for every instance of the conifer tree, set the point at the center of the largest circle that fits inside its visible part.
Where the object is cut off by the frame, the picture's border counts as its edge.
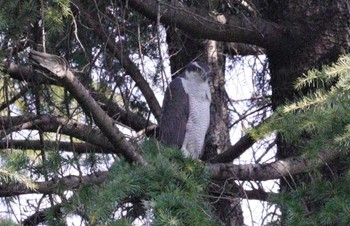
(80, 92)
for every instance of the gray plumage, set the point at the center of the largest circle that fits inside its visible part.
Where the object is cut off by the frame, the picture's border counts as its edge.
(186, 110)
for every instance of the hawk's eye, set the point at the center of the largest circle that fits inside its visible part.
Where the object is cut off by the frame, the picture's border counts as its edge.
(198, 70)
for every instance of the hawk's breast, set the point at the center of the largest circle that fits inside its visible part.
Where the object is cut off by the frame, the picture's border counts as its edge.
(199, 116)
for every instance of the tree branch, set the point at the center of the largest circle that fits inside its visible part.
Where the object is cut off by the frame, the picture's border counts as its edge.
(222, 171)
(242, 49)
(234, 151)
(48, 123)
(255, 30)
(70, 182)
(40, 215)
(77, 147)
(24, 73)
(275, 170)
(230, 189)
(59, 68)
(130, 119)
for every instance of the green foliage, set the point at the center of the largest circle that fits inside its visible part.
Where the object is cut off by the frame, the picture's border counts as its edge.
(7, 222)
(16, 12)
(319, 121)
(329, 198)
(55, 15)
(12, 171)
(169, 191)
(323, 114)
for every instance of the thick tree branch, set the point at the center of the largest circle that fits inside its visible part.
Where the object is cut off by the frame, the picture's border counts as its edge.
(24, 73)
(130, 119)
(58, 66)
(74, 182)
(48, 123)
(275, 170)
(234, 151)
(8, 122)
(255, 30)
(77, 147)
(70, 182)
(40, 216)
(222, 171)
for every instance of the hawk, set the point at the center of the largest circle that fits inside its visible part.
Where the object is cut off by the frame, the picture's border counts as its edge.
(186, 111)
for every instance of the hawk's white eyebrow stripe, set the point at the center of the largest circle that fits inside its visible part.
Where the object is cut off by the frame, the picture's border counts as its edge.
(195, 63)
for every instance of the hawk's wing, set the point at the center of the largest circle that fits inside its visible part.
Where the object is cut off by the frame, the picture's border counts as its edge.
(175, 113)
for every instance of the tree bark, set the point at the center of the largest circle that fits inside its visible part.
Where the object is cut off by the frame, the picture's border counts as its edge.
(323, 35)
(193, 21)
(217, 140)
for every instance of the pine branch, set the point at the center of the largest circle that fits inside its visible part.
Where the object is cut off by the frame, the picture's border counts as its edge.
(260, 172)
(7, 176)
(229, 189)
(77, 147)
(70, 182)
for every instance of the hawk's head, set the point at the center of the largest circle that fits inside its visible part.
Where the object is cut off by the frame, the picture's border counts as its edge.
(197, 71)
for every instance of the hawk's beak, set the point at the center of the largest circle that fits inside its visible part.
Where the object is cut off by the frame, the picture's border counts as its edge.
(204, 76)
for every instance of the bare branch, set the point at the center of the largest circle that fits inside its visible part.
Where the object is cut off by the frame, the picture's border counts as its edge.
(61, 125)
(275, 170)
(130, 119)
(242, 49)
(61, 72)
(129, 66)
(234, 151)
(230, 189)
(24, 73)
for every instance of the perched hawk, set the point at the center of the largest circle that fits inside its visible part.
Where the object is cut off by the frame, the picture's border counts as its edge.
(185, 114)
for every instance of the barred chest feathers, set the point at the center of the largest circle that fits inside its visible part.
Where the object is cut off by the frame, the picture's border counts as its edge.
(199, 117)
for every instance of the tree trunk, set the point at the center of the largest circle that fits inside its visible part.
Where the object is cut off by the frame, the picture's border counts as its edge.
(229, 210)
(320, 41)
